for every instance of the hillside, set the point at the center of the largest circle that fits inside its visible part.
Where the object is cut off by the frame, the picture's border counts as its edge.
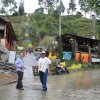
(39, 25)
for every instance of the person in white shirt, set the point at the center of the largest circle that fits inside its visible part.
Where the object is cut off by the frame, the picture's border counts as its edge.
(19, 63)
(43, 65)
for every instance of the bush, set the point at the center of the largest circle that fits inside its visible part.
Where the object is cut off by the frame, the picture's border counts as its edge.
(95, 65)
(86, 65)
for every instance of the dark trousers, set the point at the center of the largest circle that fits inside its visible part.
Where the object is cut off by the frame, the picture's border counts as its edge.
(43, 79)
(19, 81)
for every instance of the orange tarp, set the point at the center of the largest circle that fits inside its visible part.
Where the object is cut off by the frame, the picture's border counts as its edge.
(77, 57)
(84, 57)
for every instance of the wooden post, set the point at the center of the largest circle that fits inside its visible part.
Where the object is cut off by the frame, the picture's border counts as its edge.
(74, 46)
(89, 47)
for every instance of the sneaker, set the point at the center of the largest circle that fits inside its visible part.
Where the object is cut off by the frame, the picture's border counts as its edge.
(44, 89)
(44, 92)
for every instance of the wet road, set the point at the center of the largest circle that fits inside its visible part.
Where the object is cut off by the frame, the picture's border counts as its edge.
(74, 86)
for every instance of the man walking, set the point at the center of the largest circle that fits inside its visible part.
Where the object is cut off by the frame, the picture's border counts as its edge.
(19, 63)
(43, 65)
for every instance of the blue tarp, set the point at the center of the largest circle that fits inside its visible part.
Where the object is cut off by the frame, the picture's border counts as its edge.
(67, 55)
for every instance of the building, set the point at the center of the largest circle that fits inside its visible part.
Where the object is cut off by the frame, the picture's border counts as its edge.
(7, 34)
(82, 49)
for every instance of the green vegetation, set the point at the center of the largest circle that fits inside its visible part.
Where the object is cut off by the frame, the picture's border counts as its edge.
(10, 7)
(39, 25)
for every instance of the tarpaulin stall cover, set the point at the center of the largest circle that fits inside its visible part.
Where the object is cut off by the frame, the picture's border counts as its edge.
(67, 55)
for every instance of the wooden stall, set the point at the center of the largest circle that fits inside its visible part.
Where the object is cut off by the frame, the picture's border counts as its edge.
(7, 34)
(83, 49)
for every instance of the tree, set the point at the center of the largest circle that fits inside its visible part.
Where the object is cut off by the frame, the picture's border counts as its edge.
(72, 6)
(56, 14)
(78, 15)
(21, 8)
(61, 7)
(39, 10)
(6, 3)
(94, 5)
(13, 9)
(84, 6)
(50, 5)
(46, 4)
(15, 13)
(2, 10)
(10, 6)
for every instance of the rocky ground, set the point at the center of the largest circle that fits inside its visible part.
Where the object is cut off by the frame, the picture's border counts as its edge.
(6, 78)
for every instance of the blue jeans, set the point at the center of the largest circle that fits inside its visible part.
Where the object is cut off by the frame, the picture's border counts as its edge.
(43, 79)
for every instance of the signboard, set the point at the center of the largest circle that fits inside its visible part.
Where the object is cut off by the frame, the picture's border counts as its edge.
(95, 59)
(12, 56)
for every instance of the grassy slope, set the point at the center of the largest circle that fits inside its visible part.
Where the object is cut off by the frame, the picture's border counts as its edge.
(81, 26)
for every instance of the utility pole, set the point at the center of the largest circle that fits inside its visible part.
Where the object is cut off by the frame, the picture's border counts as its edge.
(93, 27)
(60, 39)
(60, 22)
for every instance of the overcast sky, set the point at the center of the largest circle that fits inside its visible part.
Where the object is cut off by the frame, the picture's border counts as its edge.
(31, 5)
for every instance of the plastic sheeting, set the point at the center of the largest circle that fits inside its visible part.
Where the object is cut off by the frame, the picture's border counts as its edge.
(67, 55)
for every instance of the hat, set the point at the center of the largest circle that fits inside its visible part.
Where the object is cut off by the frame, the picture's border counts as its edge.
(43, 52)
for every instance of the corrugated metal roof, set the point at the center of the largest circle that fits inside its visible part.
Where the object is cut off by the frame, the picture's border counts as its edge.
(76, 36)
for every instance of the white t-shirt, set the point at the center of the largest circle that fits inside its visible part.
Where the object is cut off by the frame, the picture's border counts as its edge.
(43, 64)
